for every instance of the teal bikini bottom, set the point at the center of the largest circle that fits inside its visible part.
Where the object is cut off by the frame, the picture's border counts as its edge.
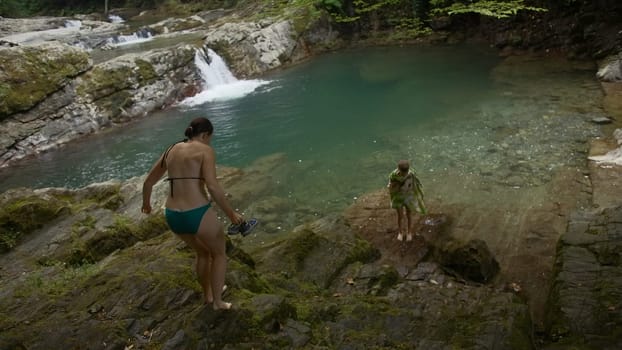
(186, 221)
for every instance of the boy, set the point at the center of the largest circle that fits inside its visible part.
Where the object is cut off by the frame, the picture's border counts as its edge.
(406, 193)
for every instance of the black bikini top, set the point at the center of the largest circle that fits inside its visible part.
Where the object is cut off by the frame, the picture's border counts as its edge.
(171, 179)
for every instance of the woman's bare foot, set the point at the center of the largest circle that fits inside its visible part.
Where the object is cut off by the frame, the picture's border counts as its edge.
(222, 306)
(210, 298)
(409, 237)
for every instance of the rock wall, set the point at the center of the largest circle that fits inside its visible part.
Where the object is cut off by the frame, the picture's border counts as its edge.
(53, 94)
(584, 306)
(252, 48)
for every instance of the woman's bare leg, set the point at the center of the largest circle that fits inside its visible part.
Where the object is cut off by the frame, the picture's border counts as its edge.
(202, 264)
(212, 236)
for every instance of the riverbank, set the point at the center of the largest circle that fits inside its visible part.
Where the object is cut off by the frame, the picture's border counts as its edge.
(69, 263)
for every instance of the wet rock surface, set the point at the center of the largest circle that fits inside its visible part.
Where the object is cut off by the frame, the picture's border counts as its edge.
(584, 306)
(114, 278)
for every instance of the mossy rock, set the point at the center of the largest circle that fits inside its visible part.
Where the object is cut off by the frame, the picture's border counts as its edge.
(105, 80)
(114, 104)
(316, 254)
(30, 74)
(105, 195)
(23, 215)
(123, 234)
(145, 71)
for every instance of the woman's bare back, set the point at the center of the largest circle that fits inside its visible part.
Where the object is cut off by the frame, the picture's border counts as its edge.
(185, 163)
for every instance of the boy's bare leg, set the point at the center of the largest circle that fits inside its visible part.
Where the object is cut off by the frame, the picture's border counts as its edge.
(400, 220)
(409, 218)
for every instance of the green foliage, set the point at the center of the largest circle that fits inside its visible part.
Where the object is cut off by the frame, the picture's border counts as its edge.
(335, 4)
(497, 9)
(12, 8)
(362, 6)
(409, 28)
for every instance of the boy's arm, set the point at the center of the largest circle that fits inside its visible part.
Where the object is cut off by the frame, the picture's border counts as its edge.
(393, 186)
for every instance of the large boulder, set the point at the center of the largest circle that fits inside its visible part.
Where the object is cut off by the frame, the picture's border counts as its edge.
(64, 106)
(610, 70)
(471, 260)
(251, 48)
(28, 74)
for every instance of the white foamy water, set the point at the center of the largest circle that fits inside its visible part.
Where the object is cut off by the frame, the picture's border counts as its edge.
(219, 84)
(613, 156)
(72, 23)
(135, 38)
(115, 19)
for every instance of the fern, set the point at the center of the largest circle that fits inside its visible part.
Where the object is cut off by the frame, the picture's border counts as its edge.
(497, 9)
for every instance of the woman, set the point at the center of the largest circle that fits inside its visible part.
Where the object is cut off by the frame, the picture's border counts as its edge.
(191, 166)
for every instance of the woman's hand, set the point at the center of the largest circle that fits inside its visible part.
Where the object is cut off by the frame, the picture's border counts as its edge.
(146, 208)
(237, 218)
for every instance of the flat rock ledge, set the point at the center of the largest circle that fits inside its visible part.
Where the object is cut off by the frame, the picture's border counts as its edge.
(585, 305)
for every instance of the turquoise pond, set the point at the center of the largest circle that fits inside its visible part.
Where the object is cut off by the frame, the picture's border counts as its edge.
(470, 122)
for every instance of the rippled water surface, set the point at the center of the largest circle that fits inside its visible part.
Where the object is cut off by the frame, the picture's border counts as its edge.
(343, 120)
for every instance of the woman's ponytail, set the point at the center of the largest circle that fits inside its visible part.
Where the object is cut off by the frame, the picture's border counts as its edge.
(188, 132)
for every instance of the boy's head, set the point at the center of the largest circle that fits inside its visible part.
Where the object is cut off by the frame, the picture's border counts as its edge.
(403, 165)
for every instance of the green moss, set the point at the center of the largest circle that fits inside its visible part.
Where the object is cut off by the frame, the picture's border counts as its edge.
(115, 103)
(108, 197)
(460, 331)
(45, 283)
(88, 222)
(223, 49)
(122, 234)
(145, 71)
(29, 74)
(24, 215)
(388, 278)
(520, 338)
(104, 81)
(244, 277)
(363, 251)
(186, 24)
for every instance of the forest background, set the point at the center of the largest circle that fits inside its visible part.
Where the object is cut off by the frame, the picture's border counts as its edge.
(399, 14)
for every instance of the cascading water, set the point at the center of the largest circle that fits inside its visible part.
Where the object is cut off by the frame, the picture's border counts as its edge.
(215, 72)
(73, 23)
(137, 37)
(115, 19)
(219, 84)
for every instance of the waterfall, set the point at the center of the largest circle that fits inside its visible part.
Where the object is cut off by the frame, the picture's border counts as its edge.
(140, 36)
(219, 84)
(115, 19)
(73, 23)
(215, 72)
